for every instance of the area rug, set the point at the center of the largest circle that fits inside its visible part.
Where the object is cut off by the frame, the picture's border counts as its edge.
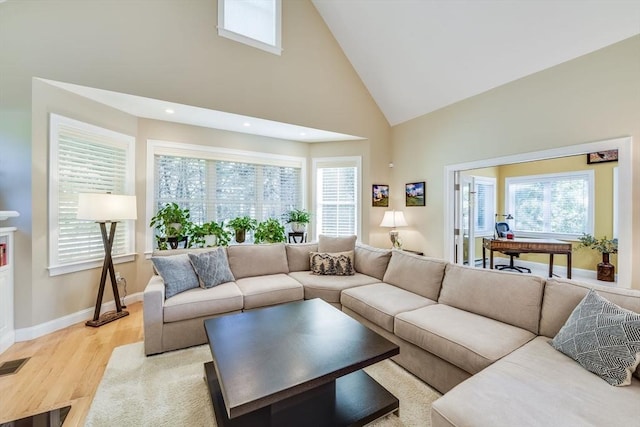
(169, 390)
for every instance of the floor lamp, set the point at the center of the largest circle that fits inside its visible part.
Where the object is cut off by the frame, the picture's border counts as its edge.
(394, 219)
(103, 209)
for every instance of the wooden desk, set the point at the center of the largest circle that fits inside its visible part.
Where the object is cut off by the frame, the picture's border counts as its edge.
(521, 245)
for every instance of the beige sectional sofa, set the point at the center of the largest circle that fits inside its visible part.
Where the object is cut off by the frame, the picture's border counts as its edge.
(478, 336)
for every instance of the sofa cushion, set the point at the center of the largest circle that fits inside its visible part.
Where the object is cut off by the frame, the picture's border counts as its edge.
(415, 273)
(537, 386)
(329, 287)
(211, 267)
(380, 302)
(371, 261)
(332, 264)
(603, 338)
(261, 291)
(512, 298)
(561, 296)
(336, 244)
(467, 340)
(298, 255)
(176, 272)
(199, 302)
(257, 260)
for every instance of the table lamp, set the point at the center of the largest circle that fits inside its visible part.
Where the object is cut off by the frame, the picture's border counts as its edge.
(103, 209)
(394, 219)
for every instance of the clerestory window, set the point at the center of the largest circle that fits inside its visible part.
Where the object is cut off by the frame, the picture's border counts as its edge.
(256, 23)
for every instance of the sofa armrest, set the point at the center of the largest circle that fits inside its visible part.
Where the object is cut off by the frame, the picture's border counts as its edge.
(153, 300)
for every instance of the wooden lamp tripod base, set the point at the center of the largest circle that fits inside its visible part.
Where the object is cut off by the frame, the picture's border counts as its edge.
(107, 266)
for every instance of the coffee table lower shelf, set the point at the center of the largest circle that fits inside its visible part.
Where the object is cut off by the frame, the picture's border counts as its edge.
(355, 399)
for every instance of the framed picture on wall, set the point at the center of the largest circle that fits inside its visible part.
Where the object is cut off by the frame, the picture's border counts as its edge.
(415, 194)
(380, 195)
(602, 156)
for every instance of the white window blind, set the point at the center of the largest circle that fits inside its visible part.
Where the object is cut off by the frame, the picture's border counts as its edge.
(485, 189)
(337, 196)
(220, 190)
(253, 22)
(558, 205)
(85, 159)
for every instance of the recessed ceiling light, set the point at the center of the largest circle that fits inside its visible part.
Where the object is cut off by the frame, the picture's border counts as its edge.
(246, 124)
(169, 111)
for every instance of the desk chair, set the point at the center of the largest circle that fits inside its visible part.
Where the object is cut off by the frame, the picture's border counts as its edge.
(501, 230)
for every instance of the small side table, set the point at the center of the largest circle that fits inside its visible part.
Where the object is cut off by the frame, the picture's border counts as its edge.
(297, 237)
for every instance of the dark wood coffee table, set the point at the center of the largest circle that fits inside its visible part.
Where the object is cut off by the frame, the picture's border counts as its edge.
(295, 364)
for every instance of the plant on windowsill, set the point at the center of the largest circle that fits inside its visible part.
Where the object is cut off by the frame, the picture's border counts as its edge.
(210, 234)
(298, 218)
(172, 224)
(241, 225)
(269, 231)
(606, 270)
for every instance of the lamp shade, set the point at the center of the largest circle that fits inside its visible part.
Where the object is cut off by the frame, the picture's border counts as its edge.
(103, 207)
(393, 219)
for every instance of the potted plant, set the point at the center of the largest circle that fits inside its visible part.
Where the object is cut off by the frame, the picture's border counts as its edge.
(606, 270)
(210, 234)
(172, 224)
(241, 225)
(269, 231)
(298, 218)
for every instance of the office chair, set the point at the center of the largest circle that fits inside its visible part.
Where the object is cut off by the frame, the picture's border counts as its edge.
(501, 229)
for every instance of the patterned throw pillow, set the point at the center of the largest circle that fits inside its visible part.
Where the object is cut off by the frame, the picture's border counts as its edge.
(212, 268)
(177, 273)
(332, 264)
(603, 338)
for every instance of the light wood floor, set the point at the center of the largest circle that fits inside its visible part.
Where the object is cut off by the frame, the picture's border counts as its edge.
(65, 368)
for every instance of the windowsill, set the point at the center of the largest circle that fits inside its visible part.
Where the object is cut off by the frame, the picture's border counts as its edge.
(59, 270)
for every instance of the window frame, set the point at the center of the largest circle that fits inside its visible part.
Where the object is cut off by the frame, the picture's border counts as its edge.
(117, 139)
(276, 49)
(590, 177)
(169, 148)
(330, 162)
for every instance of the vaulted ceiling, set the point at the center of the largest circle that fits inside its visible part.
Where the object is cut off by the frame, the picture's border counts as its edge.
(417, 56)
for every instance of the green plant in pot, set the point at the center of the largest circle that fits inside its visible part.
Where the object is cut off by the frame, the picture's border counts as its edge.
(269, 231)
(172, 224)
(606, 270)
(241, 225)
(298, 218)
(210, 234)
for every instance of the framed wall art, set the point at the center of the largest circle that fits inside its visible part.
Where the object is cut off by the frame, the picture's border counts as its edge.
(380, 195)
(602, 156)
(415, 194)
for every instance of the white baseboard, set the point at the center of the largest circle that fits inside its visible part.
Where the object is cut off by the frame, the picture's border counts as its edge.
(7, 341)
(26, 334)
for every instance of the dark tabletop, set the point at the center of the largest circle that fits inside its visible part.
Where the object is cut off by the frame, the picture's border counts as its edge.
(265, 355)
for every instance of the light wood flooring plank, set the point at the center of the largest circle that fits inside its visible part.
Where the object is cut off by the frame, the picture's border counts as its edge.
(65, 368)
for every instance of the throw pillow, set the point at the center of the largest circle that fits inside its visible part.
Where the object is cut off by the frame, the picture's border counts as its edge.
(332, 264)
(177, 272)
(212, 268)
(602, 337)
(336, 244)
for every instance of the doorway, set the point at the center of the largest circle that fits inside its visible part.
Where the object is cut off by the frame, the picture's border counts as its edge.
(454, 221)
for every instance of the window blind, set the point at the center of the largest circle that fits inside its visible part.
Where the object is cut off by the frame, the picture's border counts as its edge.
(552, 204)
(337, 197)
(85, 159)
(220, 190)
